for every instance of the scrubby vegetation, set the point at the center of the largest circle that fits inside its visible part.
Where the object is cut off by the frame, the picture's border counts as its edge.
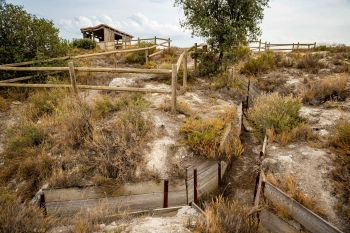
(140, 56)
(287, 185)
(59, 140)
(340, 144)
(84, 43)
(204, 136)
(222, 216)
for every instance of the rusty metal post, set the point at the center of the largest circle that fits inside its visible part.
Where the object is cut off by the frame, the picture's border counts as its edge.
(195, 191)
(166, 190)
(43, 204)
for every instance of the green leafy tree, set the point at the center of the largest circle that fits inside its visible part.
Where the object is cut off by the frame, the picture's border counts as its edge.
(224, 23)
(25, 37)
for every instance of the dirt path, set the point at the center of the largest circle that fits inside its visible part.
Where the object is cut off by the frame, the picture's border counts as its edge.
(239, 182)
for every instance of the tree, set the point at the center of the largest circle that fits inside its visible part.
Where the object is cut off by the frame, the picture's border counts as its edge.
(25, 37)
(224, 23)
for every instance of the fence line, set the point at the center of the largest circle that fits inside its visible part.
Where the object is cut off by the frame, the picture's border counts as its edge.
(138, 196)
(264, 46)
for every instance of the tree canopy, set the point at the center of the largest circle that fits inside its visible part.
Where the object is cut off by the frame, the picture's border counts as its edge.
(224, 23)
(24, 36)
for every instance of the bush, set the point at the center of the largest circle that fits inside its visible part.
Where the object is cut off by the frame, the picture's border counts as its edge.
(16, 216)
(311, 63)
(256, 66)
(326, 89)
(204, 136)
(223, 216)
(84, 43)
(209, 64)
(273, 111)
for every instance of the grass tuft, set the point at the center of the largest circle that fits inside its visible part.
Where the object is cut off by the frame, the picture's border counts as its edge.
(222, 216)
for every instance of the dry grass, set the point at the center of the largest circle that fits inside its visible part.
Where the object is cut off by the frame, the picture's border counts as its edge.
(326, 89)
(310, 63)
(303, 132)
(340, 144)
(223, 216)
(4, 105)
(18, 216)
(288, 185)
(63, 141)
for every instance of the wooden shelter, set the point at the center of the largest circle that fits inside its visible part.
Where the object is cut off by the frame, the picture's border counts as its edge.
(108, 37)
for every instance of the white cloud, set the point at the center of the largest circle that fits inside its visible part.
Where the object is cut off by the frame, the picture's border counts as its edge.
(138, 25)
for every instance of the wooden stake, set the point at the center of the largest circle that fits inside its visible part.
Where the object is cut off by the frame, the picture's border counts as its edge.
(166, 190)
(184, 84)
(169, 44)
(147, 57)
(72, 76)
(173, 88)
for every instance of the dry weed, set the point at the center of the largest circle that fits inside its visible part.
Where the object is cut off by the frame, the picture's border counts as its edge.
(222, 216)
(287, 184)
(340, 144)
(326, 89)
(4, 105)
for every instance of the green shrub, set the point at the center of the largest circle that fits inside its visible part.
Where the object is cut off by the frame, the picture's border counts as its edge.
(84, 43)
(204, 136)
(256, 66)
(209, 64)
(140, 56)
(274, 111)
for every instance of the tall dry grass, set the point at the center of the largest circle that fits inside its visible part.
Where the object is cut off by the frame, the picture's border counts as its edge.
(340, 144)
(61, 140)
(223, 216)
(326, 89)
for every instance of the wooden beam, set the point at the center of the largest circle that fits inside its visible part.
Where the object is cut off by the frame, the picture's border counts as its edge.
(106, 88)
(173, 88)
(34, 62)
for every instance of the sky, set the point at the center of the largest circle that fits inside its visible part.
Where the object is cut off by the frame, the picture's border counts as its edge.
(285, 21)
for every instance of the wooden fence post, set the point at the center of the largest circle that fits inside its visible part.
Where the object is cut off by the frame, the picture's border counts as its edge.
(195, 57)
(115, 60)
(269, 46)
(147, 56)
(138, 42)
(315, 45)
(293, 47)
(195, 191)
(265, 45)
(72, 76)
(298, 46)
(169, 44)
(173, 88)
(155, 40)
(166, 190)
(259, 44)
(184, 84)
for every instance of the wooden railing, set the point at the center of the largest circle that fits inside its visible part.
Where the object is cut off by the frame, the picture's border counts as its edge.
(264, 46)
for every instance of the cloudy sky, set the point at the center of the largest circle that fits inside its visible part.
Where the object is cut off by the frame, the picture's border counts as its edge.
(286, 21)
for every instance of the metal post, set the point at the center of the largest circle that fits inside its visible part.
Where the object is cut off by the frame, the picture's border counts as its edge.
(195, 58)
(195, 197)
(166, 190)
